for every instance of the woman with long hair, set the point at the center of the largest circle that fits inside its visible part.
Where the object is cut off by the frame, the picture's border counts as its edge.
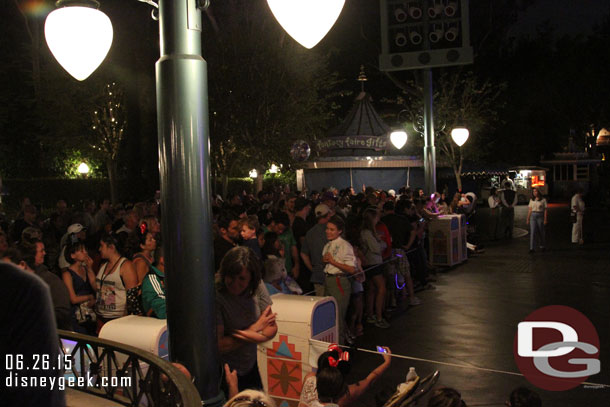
(80, 282)
(142, 242)
(241, 324)
(375, 287)
(537, 220)
(117, 283)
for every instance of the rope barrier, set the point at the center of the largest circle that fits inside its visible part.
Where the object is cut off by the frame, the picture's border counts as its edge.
(432, 361)
(395, 258)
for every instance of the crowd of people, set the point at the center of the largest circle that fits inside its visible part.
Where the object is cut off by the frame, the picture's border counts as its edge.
(368, 250)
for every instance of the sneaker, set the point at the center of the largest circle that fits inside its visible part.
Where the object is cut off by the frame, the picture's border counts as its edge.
(383, 324)
(414, 301)
(371, 319)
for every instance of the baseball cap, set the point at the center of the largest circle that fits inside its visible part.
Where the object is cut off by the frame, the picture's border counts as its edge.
(322, 210)
(75, 228)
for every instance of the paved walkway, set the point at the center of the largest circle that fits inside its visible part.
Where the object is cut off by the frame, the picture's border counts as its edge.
(471, 318)
(75, 398)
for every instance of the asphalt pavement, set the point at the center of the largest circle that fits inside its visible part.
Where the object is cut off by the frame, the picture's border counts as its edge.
(471, 318)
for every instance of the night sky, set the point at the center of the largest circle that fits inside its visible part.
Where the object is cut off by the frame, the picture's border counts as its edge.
(567, 16)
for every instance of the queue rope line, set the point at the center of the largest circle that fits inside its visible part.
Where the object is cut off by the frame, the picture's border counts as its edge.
(370, 268)
(263, 349)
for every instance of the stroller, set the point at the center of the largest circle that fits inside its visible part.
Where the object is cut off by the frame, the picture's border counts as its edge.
(414, 390)
(472, 236)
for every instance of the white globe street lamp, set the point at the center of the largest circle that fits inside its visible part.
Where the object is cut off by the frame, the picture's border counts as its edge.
(253, 173)
(460, 135)
(274, 169)
(307, 21)
(79, 36)
(398, 138)
(83, 169)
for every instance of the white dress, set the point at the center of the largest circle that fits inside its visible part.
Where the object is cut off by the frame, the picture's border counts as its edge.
(577, 205)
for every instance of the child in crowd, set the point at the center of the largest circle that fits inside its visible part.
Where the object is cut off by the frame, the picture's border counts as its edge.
(275, 276)
(248, 227)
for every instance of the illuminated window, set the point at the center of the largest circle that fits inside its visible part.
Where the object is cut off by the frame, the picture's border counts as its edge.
(537, 181)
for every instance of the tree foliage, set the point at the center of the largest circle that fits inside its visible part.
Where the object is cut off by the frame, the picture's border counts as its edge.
(109, 123)
(265, 90)
(460, 100)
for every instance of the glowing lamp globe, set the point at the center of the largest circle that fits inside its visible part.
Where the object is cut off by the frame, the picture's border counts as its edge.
(79, 37)
(398, 138)
(274, 169)
(307, 21)
(253, 173)
(460, 135)
(83, 169)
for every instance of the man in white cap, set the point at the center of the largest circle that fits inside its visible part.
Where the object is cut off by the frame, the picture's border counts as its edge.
(311, 251)
(74, 229)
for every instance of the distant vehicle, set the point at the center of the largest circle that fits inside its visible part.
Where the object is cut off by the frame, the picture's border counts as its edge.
(527, 178)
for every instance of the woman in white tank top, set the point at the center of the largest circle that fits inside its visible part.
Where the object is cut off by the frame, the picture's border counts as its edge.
(116, 282)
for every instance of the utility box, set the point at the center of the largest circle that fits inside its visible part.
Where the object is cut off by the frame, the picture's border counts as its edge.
(149, 334)
(285, 360)
(447, 238)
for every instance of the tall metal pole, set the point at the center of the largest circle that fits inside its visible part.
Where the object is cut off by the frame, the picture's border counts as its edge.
(182, 112)
(429, 149)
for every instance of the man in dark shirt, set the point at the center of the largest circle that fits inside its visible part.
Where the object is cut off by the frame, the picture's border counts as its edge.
(28, 220)
(28, 330)
(302, 208)
(313, 244)
(404, 237)
(401, 230)
(227, 237)
(509, 201)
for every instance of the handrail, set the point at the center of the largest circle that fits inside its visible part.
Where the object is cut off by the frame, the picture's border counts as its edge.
(156, 383)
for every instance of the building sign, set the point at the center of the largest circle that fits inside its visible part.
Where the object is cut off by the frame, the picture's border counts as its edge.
(353, 142)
